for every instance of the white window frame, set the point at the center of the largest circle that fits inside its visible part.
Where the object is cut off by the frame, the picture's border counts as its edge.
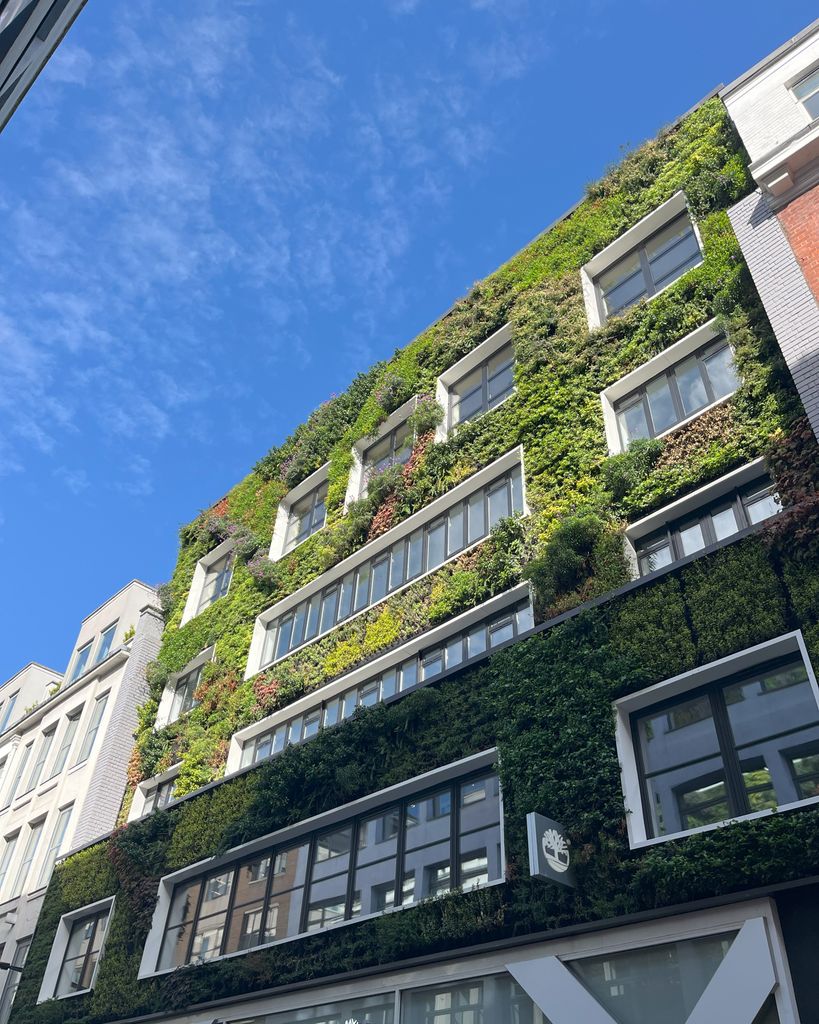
(146, 787)
(357, 481)
(403, 529)
(112, 627)
(51, 975)
(418, 783)
(166, 701)
(309, 484)
(372, 669)
(689, 503)
(637, 378)
(200, 576)
(622, 246)
(72, 674)
(625, 707)
(538, 957)
(479, 355)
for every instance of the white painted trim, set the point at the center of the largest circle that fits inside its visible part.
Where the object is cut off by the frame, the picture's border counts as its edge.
(375, 547)
(622, 246)
(164, 709)
(310, 483)
(417, 784)
(60, 944)
(625, 707)
(696, 499)
(664, 360)
(200, 575)
(480, 354)
(356, 485)
(371, 669)
(458, 970)
(144, 788)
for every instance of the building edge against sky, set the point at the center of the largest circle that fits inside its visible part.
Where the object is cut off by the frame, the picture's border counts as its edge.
(580, 583)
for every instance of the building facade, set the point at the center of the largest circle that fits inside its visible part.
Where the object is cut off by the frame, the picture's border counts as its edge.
(490, 696)
(64, 752)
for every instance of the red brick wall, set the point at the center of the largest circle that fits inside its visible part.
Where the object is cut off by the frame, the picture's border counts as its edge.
(800, 219)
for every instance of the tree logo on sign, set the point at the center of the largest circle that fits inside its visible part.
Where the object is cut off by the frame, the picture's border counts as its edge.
(555, 850)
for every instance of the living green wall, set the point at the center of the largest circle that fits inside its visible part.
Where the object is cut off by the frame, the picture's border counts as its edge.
(545, 702)
(570, 545)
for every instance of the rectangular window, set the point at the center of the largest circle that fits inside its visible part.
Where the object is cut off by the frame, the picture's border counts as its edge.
(72, 722)
(807, 92)
(55, 844)
(159, 796)
(22, 764)
(8, 853)
(739, 745)
(6, 712)
(424, 550)
(80, 662)
(104, 646)
(46, 740)
(450, 838)
(692, 384)
(35, 831)
(306, 517)
(426, 665)
(82, 954)
(491, 1000)
(365, 1009)
(716, 521)
(184, 690)
(483, 388)
(87, 744)
(217, 581)
(13, 979)
(393, 449)
(651, 266)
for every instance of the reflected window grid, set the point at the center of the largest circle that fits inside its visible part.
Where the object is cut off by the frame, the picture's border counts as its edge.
(419, 847)
(423, 551)
(421, 668)
(749, 743)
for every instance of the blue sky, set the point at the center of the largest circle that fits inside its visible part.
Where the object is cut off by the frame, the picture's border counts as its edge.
(213, 213)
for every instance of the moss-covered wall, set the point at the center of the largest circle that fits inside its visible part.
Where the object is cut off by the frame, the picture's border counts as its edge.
(546, 703)
(579, 497)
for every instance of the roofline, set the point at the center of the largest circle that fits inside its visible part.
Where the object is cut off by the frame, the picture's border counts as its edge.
(108, 600)
(28, 665)
(770, 59)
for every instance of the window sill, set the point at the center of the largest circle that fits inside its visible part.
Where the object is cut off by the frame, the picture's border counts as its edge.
(642, 844)
(76, 767)
(286, 554)
(642, 303)
(37, 893)
(454, 430)
(26, 798)
(48, 785)
(317, 931)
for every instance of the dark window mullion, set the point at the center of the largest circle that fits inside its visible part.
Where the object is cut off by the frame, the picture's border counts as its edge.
(308, 884)
(741, 512)
(268, 893)
(351, 869)
(676, 398)
(706, 380)
(400, 849)
(195, 918)
(652, 431)
(91, 941)
(454, 832)
(234, 885)
(648, 280)
(707, 527)
(676, 543)
(737, 797)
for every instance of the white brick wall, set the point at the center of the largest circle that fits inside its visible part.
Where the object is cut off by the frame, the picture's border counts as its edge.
(788, 300)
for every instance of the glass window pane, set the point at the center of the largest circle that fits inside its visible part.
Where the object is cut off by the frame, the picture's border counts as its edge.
(329, 610)
(661, 404)
(762, 506)
(476, 642)
(656, 558)
(719, 367)
(672, 251)
(724, 522)
(346, 603)
(380, 575)
(285, 631)
(633, 423)
(312, 723)
(501, 631)
(692, 538)
(436, 538)
(415, 557)
(389, 683)
(331, 713)
(623, 284)
(409, 674)
(477, 518)
(432, 664)
(455, 652)
(397, 565)
(367, 1010)
(362, 587)
(313, 608)
(498, 503)
(427, 872)
(294, 730)
(455, 539)
(808, 86)
(654, 983)
(332, 851)
(682, 762)
(368, 695)
(428, 820)
(690, 385)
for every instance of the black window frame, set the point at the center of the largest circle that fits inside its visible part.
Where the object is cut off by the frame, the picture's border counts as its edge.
(453, 786)
(736, 793)
(306, 614)
(737, 499)
(487, 404)
(645, 268)
(83, 921)
(639, 395)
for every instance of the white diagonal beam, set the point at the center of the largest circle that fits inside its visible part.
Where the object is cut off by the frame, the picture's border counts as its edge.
(558, 993)
(741, 983)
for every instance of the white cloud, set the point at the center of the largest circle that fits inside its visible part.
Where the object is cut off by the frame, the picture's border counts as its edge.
(76, 480)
